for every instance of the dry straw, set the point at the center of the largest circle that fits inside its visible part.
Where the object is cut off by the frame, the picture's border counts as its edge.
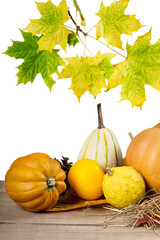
(146, 212)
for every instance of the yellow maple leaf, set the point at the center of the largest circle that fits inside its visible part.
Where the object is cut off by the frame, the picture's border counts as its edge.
(141, 67)
(51, 25)
(114, 22)
(87, 74)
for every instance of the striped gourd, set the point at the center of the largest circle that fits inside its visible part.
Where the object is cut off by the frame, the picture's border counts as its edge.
(102, 146)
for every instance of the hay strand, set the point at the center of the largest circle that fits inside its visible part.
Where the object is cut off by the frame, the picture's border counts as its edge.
(146, 212)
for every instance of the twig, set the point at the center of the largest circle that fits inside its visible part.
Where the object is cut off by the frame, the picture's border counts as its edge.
(78, 29)
(80, 39)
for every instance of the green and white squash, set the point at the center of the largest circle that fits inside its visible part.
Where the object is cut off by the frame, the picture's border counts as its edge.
(102, 146)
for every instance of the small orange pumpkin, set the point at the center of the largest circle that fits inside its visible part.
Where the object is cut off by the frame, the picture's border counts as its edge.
(35, 182)
(143, 154)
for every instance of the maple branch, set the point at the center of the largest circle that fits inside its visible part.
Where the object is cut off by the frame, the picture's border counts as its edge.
(80, 39)
(79, 29)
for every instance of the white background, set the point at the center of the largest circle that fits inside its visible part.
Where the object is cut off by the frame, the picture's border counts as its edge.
(34, 120)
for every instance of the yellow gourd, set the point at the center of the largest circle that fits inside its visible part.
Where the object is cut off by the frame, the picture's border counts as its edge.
(123, 186)
(85, 177)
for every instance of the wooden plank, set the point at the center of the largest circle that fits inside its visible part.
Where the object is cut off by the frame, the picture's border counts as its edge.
(16, 214)
(2, 186)
(78, 232)
(89, 223)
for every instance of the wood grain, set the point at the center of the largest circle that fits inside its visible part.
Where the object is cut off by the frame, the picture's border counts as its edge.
(16, 214)
(2, 186)
(78, 232)
(89, 223)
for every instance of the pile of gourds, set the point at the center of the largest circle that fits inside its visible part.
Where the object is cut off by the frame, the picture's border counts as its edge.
(35, 181)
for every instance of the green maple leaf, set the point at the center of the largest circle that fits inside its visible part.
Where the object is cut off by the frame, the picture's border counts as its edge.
(35, 62)
(26, 49)
(114, 22)
(87, 73)
(72, 39)
(51, 25)
(83, 21)
(141, 67)
(105, 64)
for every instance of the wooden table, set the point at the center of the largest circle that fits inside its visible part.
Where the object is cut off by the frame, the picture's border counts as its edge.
(88, 224)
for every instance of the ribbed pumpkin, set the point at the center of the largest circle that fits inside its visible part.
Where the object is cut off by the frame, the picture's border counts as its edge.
(143, 154)
(35, 182)
(102, 146)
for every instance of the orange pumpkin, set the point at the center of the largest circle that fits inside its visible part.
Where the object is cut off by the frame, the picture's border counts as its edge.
(35, 182)
(143, 154)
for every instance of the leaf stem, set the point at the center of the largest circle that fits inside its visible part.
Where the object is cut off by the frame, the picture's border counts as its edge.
(106, 46)
(70, 27)
(76, 16)
(91, 28)
(84, 45)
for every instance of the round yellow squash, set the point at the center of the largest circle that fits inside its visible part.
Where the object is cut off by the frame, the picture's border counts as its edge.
(123, 186)
(35, 182)
(85, 177)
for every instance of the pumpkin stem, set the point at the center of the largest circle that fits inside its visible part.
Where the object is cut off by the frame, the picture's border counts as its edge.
(131, 135)
(51, 182)
(109, 171)
(100, 118)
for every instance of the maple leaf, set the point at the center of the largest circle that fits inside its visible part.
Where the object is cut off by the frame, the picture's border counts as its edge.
(72, 39)
(26, 49)
(105, 64)
(83, 21)
(141, 67)
(51, 25)
(86, 73)
(35, 62)
(114, 22)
